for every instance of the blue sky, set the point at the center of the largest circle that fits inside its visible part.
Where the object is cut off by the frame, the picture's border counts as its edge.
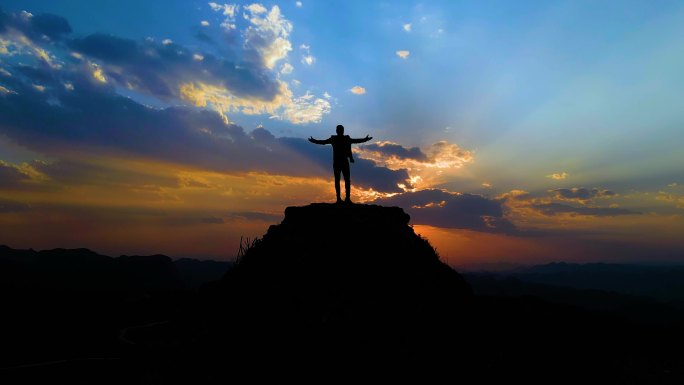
(515, 102)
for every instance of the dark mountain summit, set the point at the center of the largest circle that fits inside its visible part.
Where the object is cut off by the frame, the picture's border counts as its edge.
(337, 281)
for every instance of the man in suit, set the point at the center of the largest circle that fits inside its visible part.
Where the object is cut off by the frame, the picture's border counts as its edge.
(341, 144)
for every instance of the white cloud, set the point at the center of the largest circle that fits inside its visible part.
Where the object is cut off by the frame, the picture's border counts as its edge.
(167, 41)
(256, 8)
(298, 110)
(198, 57)
(403, 54)
(268, 34)
(558, 175)
(407, 27)
(305, 109)
(327, 95)
(358, 90)
(39, 87)
(307, 57)
(298, 4)
(308, 60)
(296, 83)
(286, 69)
(227, 9)
(204, 23)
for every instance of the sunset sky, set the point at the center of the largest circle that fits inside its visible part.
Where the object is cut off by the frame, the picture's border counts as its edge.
(511, 131)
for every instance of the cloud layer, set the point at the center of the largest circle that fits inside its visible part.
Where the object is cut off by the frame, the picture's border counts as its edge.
(558, 202)
(452, 210)
(244, 81)
(581, 194)
(440, 155)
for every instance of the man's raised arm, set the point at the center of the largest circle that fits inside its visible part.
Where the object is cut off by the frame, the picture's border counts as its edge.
(316, 141)
(361, 140)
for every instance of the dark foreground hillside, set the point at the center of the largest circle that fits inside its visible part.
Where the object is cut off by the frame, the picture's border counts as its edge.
(344, 287)
(333, 293)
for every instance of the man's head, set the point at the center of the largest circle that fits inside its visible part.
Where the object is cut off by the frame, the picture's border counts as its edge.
(340, 129)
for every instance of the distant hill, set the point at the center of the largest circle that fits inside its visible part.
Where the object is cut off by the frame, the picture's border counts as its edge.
(638, 309)
(659, 282)
(86, 270)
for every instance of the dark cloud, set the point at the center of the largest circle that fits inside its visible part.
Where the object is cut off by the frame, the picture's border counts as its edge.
(160, 69)
(84, 172)
(35, 74)
(112, 49)
(35, 26)
(180, 135)
(444, 209)
(150, 66)
(559, 208)
(262, 135)
(4, 18)
(581, 193)
(396, 150)
(10, 206)
(212, 220)
(50, 25)
(183, 220)
(366, 173)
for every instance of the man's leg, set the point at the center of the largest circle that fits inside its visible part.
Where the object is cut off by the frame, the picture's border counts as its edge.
(337, 171)
(347, 180)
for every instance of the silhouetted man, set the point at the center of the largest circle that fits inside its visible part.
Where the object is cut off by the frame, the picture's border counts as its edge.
(341, 144)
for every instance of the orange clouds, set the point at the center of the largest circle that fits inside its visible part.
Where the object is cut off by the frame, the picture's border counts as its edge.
(121, 206)
(403, 54)
(440, 155)
(558, 175)
(426, 167)
(678, 200)
(358, 90)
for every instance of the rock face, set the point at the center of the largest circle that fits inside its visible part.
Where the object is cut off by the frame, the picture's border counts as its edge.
(338, 281)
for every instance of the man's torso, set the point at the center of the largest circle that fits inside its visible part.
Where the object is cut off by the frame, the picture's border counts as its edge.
(341, 148)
